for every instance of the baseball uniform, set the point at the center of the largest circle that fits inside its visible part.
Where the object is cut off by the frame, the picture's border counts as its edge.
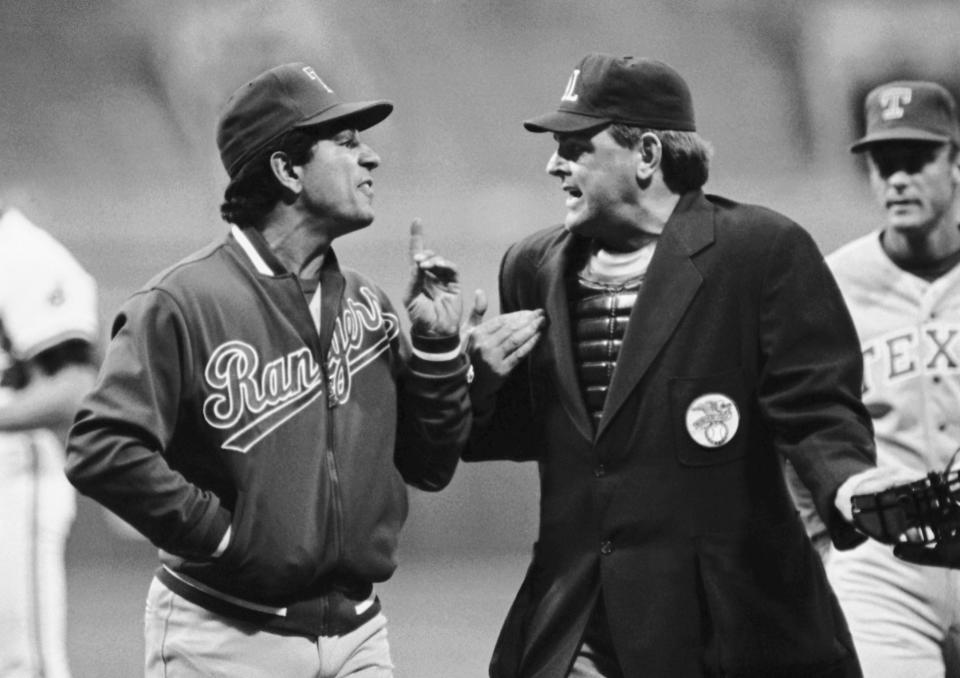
(902, 614)
(46, 299)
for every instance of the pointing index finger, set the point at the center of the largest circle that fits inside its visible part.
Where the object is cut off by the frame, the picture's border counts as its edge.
(416, 239)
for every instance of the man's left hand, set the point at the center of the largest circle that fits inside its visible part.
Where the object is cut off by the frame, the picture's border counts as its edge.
(432, 299)
(870, 482)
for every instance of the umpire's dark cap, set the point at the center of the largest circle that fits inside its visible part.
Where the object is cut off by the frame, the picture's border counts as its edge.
(276, 101)
(605, 89)
(909, 110)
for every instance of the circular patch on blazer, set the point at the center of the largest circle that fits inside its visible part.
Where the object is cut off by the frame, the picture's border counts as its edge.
(712, 419)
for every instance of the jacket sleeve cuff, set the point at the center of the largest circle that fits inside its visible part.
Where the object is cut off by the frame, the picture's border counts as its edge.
(437, 354)
(843, 534)
(216, 536)
(224, 542)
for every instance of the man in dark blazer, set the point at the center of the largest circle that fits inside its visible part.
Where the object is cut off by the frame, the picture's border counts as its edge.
(659, 355)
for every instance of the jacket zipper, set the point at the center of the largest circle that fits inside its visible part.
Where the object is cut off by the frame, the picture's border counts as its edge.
(331, 461)
(331, 464)
(337, 506)
(334, 479)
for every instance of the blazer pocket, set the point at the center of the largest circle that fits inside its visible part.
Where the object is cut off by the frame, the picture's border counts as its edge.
(710, 416)
(771, 611)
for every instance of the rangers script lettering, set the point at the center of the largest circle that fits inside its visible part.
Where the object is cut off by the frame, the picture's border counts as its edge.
(288, 384)
(348, 354)
(285, 386)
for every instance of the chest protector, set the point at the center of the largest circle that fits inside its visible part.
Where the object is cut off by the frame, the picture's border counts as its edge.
(600, 316)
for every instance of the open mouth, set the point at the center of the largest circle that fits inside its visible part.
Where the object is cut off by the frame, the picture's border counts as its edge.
(573, 195)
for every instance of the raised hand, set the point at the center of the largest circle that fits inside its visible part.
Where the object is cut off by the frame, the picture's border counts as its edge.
(496, 346)
(432, 298)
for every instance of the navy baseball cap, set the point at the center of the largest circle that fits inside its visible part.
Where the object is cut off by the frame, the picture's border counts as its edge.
(605, 89)
(276, 101)
(909, 110)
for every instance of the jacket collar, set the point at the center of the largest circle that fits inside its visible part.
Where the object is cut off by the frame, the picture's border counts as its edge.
(553, 283)
(671, 283)
(256, 251)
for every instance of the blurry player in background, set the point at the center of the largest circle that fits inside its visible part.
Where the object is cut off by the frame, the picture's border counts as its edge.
(902, 285)
(48, 334)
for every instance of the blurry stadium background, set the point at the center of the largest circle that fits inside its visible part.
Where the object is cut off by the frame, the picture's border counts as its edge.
(107, 124)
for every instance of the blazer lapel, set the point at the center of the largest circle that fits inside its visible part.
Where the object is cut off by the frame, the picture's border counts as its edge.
(553, 288)
(671, 283)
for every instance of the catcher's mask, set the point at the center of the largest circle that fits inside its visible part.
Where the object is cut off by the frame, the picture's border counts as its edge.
(925, 511)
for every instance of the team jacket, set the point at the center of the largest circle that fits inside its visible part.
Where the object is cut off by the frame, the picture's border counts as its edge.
(219, 404)
(738, 352)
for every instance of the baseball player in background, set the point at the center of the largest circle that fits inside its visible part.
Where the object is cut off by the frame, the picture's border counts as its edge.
(691, 343)
(902, 285)
(259, 409)
(48, 337)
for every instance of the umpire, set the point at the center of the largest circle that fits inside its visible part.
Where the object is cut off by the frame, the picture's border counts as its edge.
(259, 409)
(693, 342)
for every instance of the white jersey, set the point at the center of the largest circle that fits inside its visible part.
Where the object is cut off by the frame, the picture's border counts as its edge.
(910, 337)
(45, 295)
(45, 298)
(902, 616)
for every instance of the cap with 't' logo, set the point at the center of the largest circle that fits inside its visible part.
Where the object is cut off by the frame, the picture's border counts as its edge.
(909, 110)
(276, 101)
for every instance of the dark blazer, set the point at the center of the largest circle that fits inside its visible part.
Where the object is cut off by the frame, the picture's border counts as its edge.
(696, 548)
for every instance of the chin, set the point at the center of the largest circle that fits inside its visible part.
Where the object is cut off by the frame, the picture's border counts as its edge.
(908, 226)
(589, 231)
(576, 225)
(364, 219)
(355, 225)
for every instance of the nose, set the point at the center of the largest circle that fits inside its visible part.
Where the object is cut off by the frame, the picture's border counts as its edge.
(369, 158)
(898, 179)
(556, 166)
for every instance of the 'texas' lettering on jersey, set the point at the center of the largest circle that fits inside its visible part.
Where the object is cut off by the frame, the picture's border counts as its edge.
(262, 399)
(909, 352)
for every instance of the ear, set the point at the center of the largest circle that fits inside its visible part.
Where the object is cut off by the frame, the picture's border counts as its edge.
(285, 172)
(650, 152)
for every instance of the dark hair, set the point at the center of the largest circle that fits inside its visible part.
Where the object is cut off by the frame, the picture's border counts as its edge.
(686, 155)
(254, 191)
